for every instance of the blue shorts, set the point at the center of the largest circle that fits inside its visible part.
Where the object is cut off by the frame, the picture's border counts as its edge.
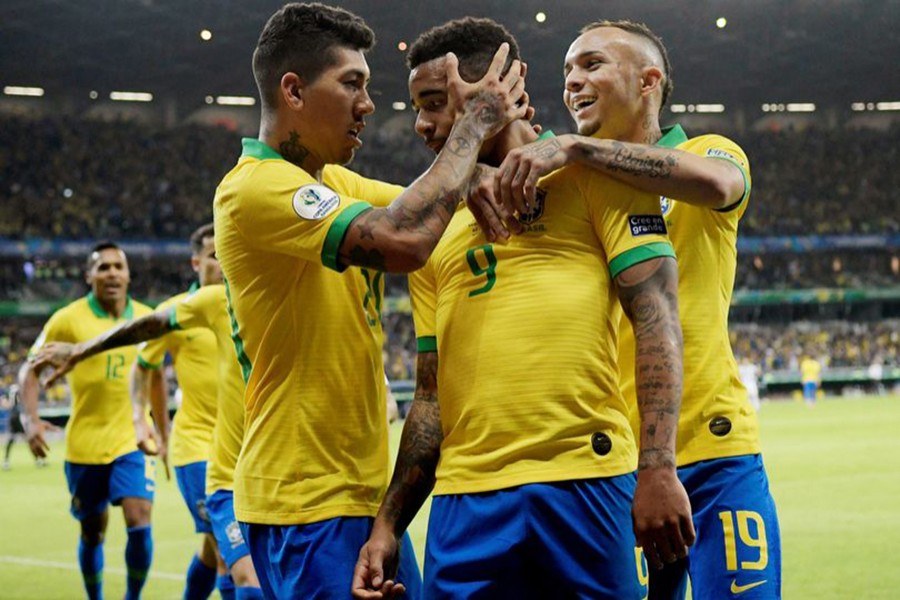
(191, 480)
(809, 390)
(738, 547)
(220, 508)
(571, 539)
(317, 560)
(93, 487)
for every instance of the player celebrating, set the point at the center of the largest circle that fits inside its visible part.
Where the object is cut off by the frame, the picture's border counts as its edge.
(534, 437)
(618, 79)
(193, 353)
(205, 308)
(103, 465)
(314, 461)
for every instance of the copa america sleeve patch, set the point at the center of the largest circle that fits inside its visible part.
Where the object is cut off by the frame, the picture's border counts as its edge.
(717, 153)
(314, 202)
(646, 225)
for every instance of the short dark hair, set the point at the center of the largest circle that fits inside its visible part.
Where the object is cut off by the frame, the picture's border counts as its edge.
(646, 33)
(200, 234)
(301, 38)
(100, 247)
(474, 41)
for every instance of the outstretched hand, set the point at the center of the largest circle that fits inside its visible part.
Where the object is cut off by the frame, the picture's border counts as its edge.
(496, 99)
(61, 356)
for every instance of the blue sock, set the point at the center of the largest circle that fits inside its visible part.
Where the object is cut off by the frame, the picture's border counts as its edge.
(91, 560)
(201, 580)
(138, 556)
(248, 593)
(226, 587)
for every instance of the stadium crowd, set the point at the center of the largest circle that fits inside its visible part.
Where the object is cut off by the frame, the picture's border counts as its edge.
(127, 180)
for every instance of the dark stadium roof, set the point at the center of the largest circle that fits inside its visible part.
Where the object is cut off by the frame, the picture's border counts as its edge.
(831, 52)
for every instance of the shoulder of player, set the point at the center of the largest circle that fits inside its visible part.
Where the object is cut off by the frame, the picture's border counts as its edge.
(714, 145)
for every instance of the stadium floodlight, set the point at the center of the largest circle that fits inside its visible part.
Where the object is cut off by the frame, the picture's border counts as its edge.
(887, 105)
(131, 96)
(801, 107)
(19, 90)
(399, 105)
(710, 108)
(540, 17)
(236, 100)
(678, 108)
(205, 35)
(721, 22)
(858, 106)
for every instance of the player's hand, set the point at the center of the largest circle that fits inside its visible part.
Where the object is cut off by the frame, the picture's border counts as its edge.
(151, 444)
(516, 182)
(496, 99)
(661, 515)
(60, 355)
(36, 442)
(378, 561)
(491, 216)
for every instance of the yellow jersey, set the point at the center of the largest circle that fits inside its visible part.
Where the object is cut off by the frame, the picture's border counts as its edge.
(810, 370)
(193, 354)
(525, 333)
(100, 428)
(207, 308)
(716, 419)
(308, 338)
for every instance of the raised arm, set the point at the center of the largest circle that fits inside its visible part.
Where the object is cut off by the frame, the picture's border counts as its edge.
(400, 238)
(698, 180)
(648, 292)
(412, 482)
(63, 357)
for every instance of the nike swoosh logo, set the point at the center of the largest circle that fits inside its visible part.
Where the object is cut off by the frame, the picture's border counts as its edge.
(740, 589)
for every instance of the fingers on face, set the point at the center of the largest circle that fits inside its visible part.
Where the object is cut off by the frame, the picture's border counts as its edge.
(499, 59)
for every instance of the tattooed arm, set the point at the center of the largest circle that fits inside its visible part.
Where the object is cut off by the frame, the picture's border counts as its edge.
(400, 238)
(648, 292)
(711, 183)
(413, 480)
(63, 357)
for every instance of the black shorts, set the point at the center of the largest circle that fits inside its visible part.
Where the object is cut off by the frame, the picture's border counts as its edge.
(15, 423)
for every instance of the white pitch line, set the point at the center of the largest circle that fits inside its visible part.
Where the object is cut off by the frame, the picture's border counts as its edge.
(34, 562)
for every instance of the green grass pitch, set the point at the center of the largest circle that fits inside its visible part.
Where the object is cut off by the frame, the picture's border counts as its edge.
(835, 473)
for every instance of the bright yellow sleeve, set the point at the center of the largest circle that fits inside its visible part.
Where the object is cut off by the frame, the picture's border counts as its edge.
(628, 222)
(722, 148)
(56, 329)
(282, 209)
(423, 295)
(377, 193)
(198, 309)
(152, 353)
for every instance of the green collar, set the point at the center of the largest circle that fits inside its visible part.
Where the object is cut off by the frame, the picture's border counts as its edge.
(546, 135)
(672, 136)
(194, 287)
(258, 149)
(102, 314)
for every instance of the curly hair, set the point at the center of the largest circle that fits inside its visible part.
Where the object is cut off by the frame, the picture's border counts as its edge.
(473, 40)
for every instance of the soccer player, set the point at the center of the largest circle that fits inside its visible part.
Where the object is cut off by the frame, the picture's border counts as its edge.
(810, 377)
(517, 421)
(102, 465)
(193, 353)
(618, 79)
(749, 374)
(205, 308)
(313, 465)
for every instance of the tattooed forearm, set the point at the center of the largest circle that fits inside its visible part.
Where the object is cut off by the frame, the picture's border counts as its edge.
(631, 160)
(648, 293)
(133, 332)
(420, 447)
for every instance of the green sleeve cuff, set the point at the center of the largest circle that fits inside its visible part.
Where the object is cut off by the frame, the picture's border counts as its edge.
(746, 184)
(335, 236)
(426, 344)
(173, 320)
(635, 256)
(146, 364)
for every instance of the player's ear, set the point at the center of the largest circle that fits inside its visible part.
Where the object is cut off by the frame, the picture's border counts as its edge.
(651, 80)
(195, 263)
(292, 90)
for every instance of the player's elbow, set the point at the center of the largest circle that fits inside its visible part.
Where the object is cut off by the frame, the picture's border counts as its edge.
(409, 256)
(725, 188)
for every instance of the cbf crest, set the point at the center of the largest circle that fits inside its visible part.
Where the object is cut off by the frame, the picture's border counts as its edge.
(665, 205)
(538, 211)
